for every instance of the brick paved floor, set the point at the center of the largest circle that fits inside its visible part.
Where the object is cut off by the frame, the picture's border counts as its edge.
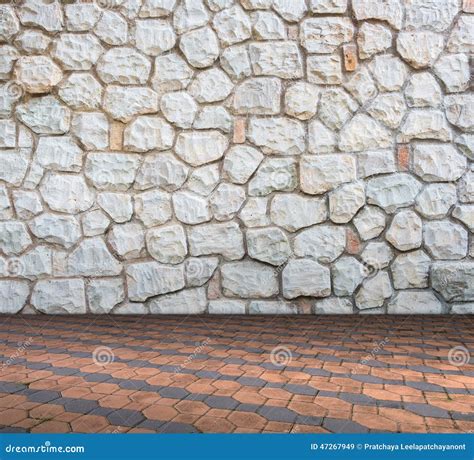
(327, 374)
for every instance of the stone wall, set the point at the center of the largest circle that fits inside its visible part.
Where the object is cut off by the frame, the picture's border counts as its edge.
(225, 156)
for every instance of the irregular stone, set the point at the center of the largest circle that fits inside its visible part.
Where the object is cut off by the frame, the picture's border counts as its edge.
(59, 296)
(123, 66)
(277, 135)
(461, 40)
(274, 174)
(112, 28)
(161, 170)
(268, 26)
(157, 8)
(179, 108)
(435, 200)
(420, 48)
(7, 133)
(258, 96)
(81, 17)
(272, 307)
(376, 255)
(347, 274)
(167, 244)
(248, 280)
(345, 201)
(254, 213)
(9, 25)
(188, 301)
(370, 222)
(453, 71)
(189, 15)
(372, 162)
(324, 70)
(27, 203)
(92, 130)
(148, 133)
(373, 39)
(13, 167)
(14, 237)
(8, 56)
(211, 86)
(301, 100)
(81, 91)
(66, 193)
(460, 110)
(235, 61)
(454, 280)
(324, 243)
(325, 34)
(405, 231)
(361, 85)
(104, 294)
(425, 124)
(59, 153)
(200, 147)
(374, 291)
(154, 36)
(277, 58)
(127, 240)
(227, 307)
(390, 11)
(319, 174)
(171, 73)
(393, 191)
(226, 201)
(363, 133)
(304, 277)
(388, 108)
(445, 240)
(203, 180)
(465, 143)
(320, 138)
(224, 239)
(6, 211)
(465, 214)
(293, 212)
(92, 258)
(125, 103)
(241, 162)
(199, 270)
(438, 162)
(232, 25)
(411, 270)
(111, 171)
(423, 91)
(433, 14)
(415, 302)
(153, 207)
(333, 306)
(77, 51)
(200, 47)
(191, 208)
(148, 279)
(117, 205)
(466, 188)
(213, 117)
(14, 295)
(62, 230)
(336, 107)
(256, 4)
(38, 74)
(268, 245)
(389, 72)
(462, 308)
(47, 15)
(45, 115)
(94, 223)
(291, 10)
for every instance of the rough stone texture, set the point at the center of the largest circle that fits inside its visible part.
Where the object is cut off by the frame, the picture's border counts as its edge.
(175, 157)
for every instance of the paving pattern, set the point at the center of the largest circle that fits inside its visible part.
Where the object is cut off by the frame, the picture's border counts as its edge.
(320, 374)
